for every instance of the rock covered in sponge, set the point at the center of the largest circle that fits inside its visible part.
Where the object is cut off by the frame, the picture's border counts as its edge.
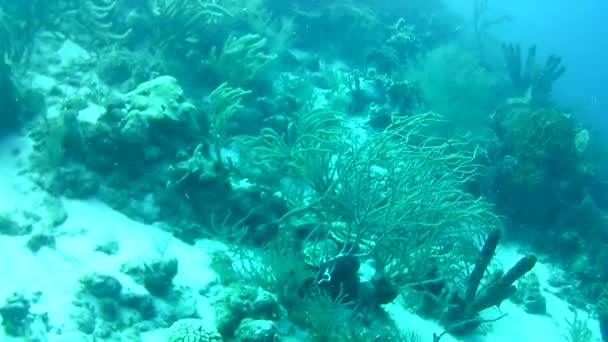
(192, 330)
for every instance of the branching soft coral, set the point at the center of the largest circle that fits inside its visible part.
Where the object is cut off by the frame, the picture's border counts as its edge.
(401, 190)
(304, 154)
(180, 22)
(397, 196)
(225, 103)
(241, 60)
(95, 18)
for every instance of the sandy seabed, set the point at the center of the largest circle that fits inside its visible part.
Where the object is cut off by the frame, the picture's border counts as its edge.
(55, 273)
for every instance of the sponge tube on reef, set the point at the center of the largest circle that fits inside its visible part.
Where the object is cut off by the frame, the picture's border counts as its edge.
(527, 78)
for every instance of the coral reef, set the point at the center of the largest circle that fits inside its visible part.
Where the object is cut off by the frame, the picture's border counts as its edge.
(344, 155)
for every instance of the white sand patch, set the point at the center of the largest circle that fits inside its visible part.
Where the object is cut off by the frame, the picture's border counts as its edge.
(56, 273)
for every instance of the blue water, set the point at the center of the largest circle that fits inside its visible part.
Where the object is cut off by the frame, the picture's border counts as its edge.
(574, 30)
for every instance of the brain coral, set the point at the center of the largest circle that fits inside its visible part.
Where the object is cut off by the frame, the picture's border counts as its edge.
(192, 330)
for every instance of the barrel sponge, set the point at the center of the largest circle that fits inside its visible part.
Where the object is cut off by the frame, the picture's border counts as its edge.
(192, 330)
